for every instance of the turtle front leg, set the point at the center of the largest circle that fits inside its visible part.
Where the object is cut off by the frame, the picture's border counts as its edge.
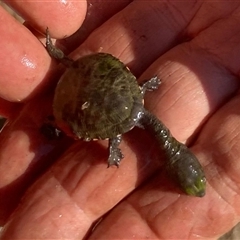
(115, 154)
(56, 52)
(150, 85)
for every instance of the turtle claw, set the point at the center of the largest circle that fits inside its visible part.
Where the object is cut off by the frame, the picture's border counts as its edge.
(115, 154)
(115, 157)
(52, 50)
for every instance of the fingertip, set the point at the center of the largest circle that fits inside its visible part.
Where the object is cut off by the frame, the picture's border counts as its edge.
(62, 17)
(24, 61)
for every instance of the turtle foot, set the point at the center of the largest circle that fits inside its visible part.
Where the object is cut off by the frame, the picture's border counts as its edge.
(115, 154)
(115, 157)
(151, 85)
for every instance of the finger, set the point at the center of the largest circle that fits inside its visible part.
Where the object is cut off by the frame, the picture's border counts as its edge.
(188, 94)
(209, 76)
(29, 60)
(97, 13)
(66, 16)
(137, 34)
(24, 63)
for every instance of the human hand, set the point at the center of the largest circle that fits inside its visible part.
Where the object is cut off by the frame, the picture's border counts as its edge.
(194, 49)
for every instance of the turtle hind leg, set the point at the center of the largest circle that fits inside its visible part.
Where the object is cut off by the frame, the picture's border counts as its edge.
(115, 154)
(150, 85)
(56, 52)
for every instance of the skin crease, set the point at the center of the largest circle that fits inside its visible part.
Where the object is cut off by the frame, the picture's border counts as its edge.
(194, 48)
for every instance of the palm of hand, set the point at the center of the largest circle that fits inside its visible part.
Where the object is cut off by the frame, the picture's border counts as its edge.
(196, 56)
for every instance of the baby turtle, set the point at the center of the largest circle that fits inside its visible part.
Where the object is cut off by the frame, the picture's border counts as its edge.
(97, 97)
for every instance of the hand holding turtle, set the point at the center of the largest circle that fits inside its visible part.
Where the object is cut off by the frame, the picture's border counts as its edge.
(198, 94)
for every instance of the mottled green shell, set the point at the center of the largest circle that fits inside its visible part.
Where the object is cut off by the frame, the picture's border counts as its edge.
(97, 98)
